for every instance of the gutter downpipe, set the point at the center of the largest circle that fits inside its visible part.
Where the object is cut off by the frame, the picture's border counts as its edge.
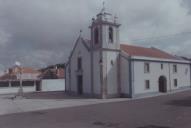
(190, 75)
(130, 78)
(169, 78)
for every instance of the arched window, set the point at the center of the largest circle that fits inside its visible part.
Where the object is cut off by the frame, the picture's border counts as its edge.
(110, 34)
(96, 35)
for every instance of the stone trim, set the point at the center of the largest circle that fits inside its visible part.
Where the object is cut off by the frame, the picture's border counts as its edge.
(130, 79)
(159, 61)
(86, 46)
(104, 23)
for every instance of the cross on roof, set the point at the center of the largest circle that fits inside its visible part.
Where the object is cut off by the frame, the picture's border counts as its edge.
(103, 9)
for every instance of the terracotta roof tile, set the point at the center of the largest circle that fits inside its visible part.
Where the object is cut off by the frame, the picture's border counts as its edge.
(52, 74)
(29, 70)
(60, 73)
(146, 52)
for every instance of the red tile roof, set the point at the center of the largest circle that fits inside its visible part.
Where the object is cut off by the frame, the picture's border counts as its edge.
(146, 52)
(25, 70)
(29, 70)
(61, 73)
(52, 74)
(12, 73)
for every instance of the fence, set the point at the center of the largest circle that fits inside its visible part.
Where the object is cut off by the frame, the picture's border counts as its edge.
(53, 85)
(7, 87)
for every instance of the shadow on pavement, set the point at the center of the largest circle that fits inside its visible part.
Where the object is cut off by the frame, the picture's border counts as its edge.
(108, 124)
(52, 95)
(186, 102)
(154, 126)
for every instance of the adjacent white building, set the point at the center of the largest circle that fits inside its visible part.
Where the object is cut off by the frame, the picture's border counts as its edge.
(102, 67)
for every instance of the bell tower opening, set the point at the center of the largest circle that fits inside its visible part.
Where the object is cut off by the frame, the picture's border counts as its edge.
(96, 36)
(110, 34)
(105, 31)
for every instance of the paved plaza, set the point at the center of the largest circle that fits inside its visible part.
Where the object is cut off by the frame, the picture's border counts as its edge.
(165, 111)
(45, 101)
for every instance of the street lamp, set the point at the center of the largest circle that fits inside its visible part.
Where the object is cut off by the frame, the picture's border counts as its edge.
(20, 91)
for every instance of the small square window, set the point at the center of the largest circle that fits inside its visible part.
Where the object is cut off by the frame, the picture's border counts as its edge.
(147, 84)
(175, 82)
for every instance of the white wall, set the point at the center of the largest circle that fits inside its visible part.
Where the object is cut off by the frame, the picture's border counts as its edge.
(124, 76)
(111, 71)
(28, 76)
(96, 73)
(9, 90)
(81, 51)
(53, 85)
(139, 76)
(182, 76)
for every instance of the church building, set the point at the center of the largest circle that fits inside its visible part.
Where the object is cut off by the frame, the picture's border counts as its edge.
(102, 67)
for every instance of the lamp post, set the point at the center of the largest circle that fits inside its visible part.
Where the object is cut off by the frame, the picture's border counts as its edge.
(20, 91)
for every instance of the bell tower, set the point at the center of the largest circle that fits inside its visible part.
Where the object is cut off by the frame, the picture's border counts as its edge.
(105, 48)
(105, 31)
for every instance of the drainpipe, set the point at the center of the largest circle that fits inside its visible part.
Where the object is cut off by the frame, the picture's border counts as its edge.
(169, 77)
(190, 75)
(130, 78)
(65, 77)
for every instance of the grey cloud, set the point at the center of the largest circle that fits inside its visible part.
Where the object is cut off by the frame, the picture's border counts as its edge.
(42, 32)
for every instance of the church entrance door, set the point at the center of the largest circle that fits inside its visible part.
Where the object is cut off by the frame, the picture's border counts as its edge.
(80, 84)
(162, 84)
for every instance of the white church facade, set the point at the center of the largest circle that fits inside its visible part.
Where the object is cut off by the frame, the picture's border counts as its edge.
(102, 67)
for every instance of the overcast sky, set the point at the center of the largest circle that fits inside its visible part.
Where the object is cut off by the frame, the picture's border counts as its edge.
(42, 32)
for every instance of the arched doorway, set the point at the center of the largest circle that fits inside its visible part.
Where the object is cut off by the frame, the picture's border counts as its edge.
(162, 84)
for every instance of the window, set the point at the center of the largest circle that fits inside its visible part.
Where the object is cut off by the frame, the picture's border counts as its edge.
(79, 63)
(175, 82)
(112, 63)
(28, 83)
(147, 84)
(110, 34)
(186, 71)
(4, 84)
(161, 66)
(174, 68)
(96, 36)
(146, 68)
